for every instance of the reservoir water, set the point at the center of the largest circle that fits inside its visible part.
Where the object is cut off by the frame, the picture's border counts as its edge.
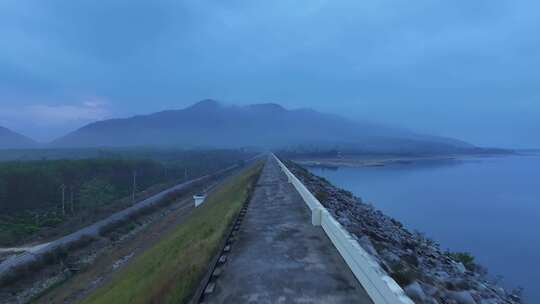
(489, 207)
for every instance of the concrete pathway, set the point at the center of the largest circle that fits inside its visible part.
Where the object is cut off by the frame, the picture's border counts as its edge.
(280, 257)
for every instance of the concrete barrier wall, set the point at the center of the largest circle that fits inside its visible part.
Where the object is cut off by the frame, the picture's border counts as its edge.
(380, 287)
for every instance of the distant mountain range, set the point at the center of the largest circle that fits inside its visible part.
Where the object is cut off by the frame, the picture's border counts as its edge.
(211, 124)
(12, 140)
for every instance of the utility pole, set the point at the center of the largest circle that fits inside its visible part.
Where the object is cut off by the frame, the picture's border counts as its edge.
(185, 174)
(134, 185)
(71, 199)
(63, 188)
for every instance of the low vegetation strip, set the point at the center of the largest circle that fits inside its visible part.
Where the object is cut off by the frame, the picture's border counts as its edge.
(45, 199)
(171, 271)
(27, 264)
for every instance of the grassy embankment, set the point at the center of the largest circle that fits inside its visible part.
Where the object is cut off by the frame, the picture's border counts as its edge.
(170, 271)
(44, 199)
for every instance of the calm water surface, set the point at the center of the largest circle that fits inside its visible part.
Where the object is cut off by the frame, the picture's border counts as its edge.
(489, 207)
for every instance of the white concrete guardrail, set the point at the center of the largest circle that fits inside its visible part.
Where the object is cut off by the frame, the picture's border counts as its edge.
(378, 284)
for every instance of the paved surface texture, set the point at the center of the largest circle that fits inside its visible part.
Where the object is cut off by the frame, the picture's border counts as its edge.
(279, 257)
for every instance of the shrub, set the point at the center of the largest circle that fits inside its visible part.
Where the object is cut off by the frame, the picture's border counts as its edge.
(348, 193)
(109, 228)
(82, 242)
(54, 256)
(20, 272)
(402, 275)
(165, 201)
(465, 258)
(14, 275)
(321, 196)
(410, 259)
(52, 222)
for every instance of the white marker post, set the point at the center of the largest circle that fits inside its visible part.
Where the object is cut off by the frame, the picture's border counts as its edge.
(199, 199)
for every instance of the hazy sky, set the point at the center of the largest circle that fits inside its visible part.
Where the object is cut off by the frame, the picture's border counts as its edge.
(461, 68)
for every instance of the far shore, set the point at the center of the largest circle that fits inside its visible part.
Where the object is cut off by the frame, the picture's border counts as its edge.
(385, 160)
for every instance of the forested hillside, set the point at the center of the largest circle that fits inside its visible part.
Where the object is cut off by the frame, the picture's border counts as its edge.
(39, 195)
(84, 183)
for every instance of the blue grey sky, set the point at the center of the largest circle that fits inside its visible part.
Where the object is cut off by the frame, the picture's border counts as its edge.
(466, 69)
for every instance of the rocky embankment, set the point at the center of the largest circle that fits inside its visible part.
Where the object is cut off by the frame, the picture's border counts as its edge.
(428, 274)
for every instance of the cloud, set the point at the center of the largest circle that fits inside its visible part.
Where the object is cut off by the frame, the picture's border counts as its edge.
(88, 110)
(63, 114)
(47, 121)
(94, 103)
(388, 61)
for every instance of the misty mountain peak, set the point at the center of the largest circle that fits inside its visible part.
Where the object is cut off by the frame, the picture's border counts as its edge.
(11, 139)
(268, 107)
(211, 123)
(206, 104)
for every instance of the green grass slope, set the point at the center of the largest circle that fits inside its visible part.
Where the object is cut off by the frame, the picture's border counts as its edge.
(171, 271)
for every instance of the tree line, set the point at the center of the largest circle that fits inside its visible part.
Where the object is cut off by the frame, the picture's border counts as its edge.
(47, 198)
(70, 185)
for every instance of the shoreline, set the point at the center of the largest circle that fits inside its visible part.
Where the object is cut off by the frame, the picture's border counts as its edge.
(427, 273)
(356, 161)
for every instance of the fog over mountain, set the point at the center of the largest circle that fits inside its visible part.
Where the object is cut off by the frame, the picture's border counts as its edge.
(463, 69)
(13, 140)
(212, 124)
